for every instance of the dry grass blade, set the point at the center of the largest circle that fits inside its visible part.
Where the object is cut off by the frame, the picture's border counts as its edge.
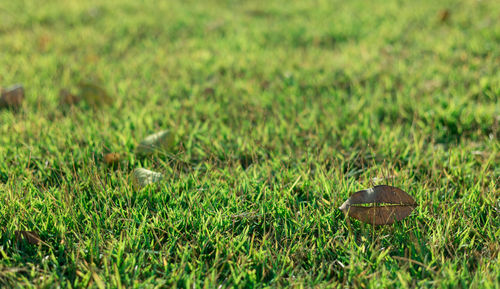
(380, 205)
(414, 262)
(100, 284)
(31, 237)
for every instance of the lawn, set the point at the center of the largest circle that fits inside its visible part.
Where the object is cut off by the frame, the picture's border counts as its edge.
(280, 111)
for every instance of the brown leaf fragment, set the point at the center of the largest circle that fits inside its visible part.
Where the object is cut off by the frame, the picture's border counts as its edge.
(380, 205)
(68, 98)
(94, 94)
(12, 97)
(444, 15)
(209, 91)
(383, 215)
(31, 237)
(112, 158)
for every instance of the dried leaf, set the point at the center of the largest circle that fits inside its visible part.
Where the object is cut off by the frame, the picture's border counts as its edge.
(43, 42)
(161, 141)
(68, 98)
(94, 94)
(143, 177)
(209, 91)
(380, 205)
(444, 15)
(112, 158)
(12, 97)
(30, 236)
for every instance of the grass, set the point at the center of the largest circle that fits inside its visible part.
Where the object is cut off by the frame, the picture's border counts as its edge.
(282, 109)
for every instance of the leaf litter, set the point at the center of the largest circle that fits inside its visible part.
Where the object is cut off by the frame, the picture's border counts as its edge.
(12, 97)
(94, 94)
(380, 205)
(112, 159)
(143, 177)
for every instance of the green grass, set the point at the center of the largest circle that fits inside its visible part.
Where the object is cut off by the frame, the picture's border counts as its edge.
(282, 109)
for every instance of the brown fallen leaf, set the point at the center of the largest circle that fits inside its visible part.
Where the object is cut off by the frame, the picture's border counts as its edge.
(43, 42)
(31, 237)
(112, 158)
(94, 94)
(380, 205)
(265, 84)
(12, 97)
(68, 98)
(209, 91)
(444, 15)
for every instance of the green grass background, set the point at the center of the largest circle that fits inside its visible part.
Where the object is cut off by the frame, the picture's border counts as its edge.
(282, 109)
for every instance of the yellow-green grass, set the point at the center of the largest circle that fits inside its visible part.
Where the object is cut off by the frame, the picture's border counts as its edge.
(281, 109)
